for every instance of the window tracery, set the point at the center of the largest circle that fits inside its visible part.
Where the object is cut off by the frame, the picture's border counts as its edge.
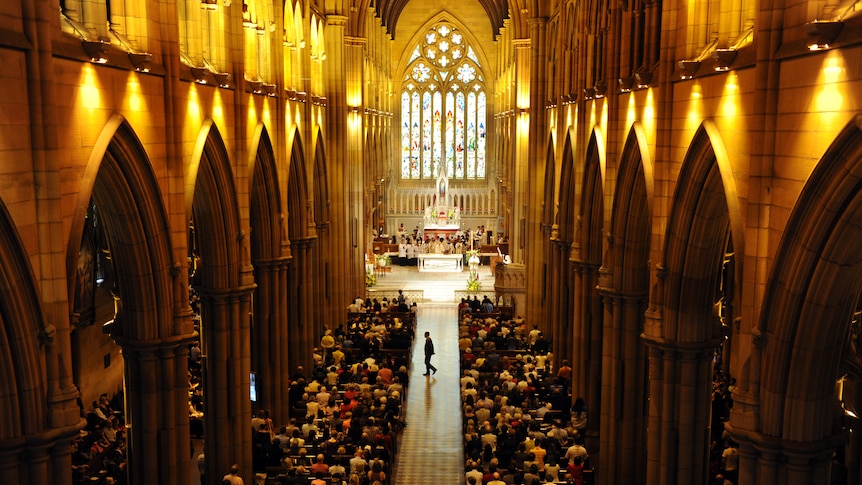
(443, 108)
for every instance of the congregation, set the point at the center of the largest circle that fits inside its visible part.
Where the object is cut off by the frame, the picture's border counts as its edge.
(345, 418)
(519, 422)
(346, 415)
(520, 426)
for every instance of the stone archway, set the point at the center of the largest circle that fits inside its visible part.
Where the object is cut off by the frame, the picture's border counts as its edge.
(300, 231)
(624, 284)
(586, 260)
(26, 354)
(327, 291)
(270, 256)
(680, 329)
(223, 279)
(564, 235)
(152, 322)
(807, 340)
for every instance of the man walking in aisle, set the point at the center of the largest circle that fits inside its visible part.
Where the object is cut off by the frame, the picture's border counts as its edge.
(429, 351)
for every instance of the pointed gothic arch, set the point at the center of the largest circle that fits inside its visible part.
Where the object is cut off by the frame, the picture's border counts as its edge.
(624, 282)
(682, 331)
(632, 214)
(120, 180)
(815, 283)
(223, 280)
(550, 184)
(269, 257)
(705, 212)
(443, 103)
(151, 324)
(565, 224)
(567, 191)
(300, 226)
(588, 244)
(322, 216)
(22, 325)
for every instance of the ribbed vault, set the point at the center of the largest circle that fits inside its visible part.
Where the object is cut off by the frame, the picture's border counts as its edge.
(390, 10)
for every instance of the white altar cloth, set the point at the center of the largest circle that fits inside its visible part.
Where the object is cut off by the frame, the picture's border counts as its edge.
(448, 263)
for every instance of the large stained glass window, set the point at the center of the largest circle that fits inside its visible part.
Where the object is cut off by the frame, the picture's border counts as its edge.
(443, 108)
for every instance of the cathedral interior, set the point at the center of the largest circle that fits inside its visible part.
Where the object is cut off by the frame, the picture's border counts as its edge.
(674, 180)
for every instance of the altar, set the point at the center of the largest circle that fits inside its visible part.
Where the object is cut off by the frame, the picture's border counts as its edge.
(441, 263)
(445, 231)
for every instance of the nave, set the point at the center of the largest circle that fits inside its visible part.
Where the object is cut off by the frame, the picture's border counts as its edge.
(432, 446)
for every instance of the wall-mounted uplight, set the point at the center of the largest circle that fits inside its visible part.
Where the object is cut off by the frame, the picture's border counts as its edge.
(141, 60)
(723, 59)
(223, 79)
(353, 109)
(589, 93)
(643, 78)
(626, 83)
(200, 74)
(822, 33)
(96, 50)
(255, 86)
(688, 68)
(601, 89)
(523, 110)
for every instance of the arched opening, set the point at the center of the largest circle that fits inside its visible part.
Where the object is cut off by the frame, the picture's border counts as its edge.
(323, 247)
(147, 313)
(302, 329)
(223, 280)
(624, 282)
(810, 389)
(270, 259)
(23, 393)
(587, 258)
(563, 342)
(683, 331)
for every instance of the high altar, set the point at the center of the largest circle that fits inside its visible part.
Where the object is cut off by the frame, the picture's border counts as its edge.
(442, 219)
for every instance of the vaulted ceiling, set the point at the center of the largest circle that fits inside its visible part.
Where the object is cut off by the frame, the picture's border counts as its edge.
(389, 10)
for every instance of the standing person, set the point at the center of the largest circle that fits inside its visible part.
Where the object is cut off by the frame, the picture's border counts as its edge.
(233, 477)
(429, 351)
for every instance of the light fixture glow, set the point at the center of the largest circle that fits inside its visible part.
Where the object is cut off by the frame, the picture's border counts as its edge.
(723, 59)
(822, 33)
(96, 50)
(688, 68)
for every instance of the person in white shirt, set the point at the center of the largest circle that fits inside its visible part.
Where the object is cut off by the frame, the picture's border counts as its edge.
(233, 477)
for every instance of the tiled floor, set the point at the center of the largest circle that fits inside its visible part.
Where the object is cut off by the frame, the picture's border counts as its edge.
(437, 287)
(431, 450)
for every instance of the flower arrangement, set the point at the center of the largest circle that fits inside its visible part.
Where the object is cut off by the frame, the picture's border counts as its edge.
(473, 283)
(382, 260)
(370, 279)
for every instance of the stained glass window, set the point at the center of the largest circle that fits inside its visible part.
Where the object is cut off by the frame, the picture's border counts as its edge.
(443, 108)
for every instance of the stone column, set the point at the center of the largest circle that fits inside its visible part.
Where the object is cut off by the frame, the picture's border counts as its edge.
(156, 400)
(303, 331)
(679, 417)
(587, 342)
(559, 299)
(536, 237)
(354, 169)
(270, 337)
(226, 363)
(623, 421)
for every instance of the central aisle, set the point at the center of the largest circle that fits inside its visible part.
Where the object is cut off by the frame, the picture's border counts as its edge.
(431, 451)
